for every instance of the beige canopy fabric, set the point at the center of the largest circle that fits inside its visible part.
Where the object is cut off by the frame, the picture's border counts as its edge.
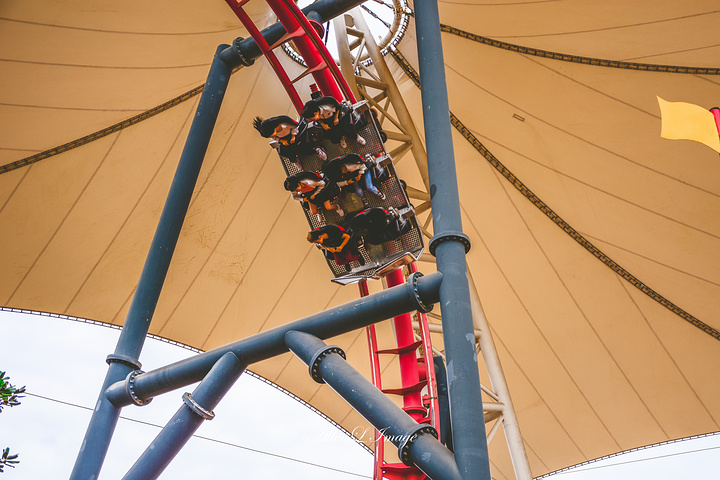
(594, 241)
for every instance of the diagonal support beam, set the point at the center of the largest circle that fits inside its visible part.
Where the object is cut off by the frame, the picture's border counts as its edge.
(197, 408)
(137, 323)
(417, 444)
(419, 293)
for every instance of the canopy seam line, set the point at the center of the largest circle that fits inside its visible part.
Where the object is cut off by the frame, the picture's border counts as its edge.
(599, 338)
(207, 260)
(664, 347)
(578, 137)
(552, 215)
(65, 218)
(200, 189)
(249, 267)
(102, 133)
(122, 226)
(565, 57)
(570, 378)
(545, 402)
(115, 32)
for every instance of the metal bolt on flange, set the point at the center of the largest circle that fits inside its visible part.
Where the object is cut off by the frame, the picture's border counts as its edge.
(319, 356)
(404, 448)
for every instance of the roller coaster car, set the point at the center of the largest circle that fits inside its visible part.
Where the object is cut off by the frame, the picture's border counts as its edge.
(381, 248)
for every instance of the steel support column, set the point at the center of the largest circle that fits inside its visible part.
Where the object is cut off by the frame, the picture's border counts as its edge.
(197, 408)
(417, 444)
(132, 337)
(449, 246)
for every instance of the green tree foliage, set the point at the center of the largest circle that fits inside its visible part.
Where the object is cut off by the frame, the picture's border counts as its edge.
(8, 393)
(7, 460)
(9, 396)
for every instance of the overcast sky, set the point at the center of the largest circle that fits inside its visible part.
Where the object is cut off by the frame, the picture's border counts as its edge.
(258, 432)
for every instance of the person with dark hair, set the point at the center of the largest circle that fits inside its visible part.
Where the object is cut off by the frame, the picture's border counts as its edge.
(314, 189)
(293, 138)
(353, 170)
(337, 243)
(339, 121)
(378, 225)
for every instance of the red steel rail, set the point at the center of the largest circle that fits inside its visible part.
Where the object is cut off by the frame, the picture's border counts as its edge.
(311, 48)
(416, 374)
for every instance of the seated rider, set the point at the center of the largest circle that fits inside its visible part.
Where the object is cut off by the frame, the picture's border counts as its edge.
(315, 190)
(336, 119)
(337, 243)
(294, 138)
(378, 225)
(356, 171)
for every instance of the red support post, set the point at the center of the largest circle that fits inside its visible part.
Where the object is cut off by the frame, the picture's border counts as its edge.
(405, 336)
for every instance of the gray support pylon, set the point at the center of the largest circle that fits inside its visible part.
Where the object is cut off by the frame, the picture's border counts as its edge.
(419, 293)
(354, 25)
(449, 246)
(417, 444)
(197, 408)
(132, 337)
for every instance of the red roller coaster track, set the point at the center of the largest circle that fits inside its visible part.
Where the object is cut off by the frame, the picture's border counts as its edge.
(418, 388)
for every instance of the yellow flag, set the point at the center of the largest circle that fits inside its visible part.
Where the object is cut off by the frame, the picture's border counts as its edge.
(685, 121)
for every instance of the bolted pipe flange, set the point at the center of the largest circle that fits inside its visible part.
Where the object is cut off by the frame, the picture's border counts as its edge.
(130, 389)
(318, 357)
(124, 359)
(404, 448)
(449, 237)
(237, 50)
(196, 407)
(412, 280)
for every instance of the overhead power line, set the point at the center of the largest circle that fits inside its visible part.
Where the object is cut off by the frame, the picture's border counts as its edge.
(214, 440)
